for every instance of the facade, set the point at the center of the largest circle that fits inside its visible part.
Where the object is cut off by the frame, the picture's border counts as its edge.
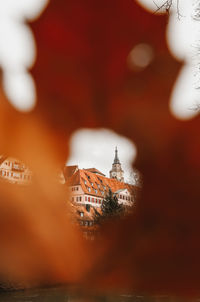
(14, 171)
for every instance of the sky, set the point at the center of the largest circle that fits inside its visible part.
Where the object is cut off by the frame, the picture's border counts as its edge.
(95, 148)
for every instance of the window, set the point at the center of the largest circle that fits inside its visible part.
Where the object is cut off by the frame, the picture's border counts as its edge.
(85, 182)
(89, 199)
(77, 198)
(91, 183)
(72, 198)
(89, 189)
(80, 198)
(95, 190)
(92, 199)
(81, 214)
(76, 188)
(85, 198)
(99, 201)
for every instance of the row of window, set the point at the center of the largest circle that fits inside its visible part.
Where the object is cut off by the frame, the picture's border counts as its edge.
(125, 197)
(89, 190)
(15, 165)
(98, 185)
(92, 199)
(75, 189)
(86, 223)
(89, 199)
(78, 198)
(15, 175)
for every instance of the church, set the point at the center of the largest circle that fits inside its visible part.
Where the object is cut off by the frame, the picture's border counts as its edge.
(90, 186)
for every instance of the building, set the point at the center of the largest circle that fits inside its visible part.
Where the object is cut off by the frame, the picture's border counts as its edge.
(90, 186)
(14, 171)
(117, 172)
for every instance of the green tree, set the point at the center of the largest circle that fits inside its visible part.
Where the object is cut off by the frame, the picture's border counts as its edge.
(110, 208)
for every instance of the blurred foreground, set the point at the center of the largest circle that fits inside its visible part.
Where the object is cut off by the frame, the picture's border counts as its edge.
(60, 294)
(84, 79)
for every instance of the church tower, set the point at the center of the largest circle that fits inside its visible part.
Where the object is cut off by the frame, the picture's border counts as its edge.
(117, 171)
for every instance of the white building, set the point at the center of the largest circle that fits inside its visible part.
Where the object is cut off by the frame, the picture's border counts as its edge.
(90, 186)
(14, 171)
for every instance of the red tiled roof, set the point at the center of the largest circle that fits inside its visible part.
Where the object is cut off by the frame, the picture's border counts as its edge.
(94, 170)
(68, 171)
(96, 185)
(74, 180)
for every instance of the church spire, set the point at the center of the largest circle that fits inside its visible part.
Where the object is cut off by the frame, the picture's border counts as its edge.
(117, 172)
(116, 159)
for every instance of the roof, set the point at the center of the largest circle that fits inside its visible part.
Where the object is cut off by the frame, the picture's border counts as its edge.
(95, 184)
(2, 159)
(120, 190)
(74, 180)
(68, 171)
(94, 170)
(87, 215)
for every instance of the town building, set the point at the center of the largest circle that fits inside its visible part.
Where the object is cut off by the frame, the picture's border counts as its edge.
(14, 171)
(90, 186)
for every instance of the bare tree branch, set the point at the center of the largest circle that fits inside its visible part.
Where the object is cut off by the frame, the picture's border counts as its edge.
(167, 5)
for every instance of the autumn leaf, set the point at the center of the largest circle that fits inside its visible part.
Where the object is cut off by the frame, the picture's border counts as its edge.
(85, 79)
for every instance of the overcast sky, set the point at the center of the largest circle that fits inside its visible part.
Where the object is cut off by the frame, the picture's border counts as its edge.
(96, 149)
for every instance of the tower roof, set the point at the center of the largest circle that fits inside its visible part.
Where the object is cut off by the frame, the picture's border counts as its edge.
(116, 159)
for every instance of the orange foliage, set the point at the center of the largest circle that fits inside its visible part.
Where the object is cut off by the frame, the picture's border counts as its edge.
(83, 80)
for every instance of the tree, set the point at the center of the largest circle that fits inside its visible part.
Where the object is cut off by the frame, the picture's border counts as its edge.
(110, 208)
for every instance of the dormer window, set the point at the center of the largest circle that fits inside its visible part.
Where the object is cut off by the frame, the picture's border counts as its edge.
(85, 182)
(89, 189)
(95, 190)
(100, 180)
